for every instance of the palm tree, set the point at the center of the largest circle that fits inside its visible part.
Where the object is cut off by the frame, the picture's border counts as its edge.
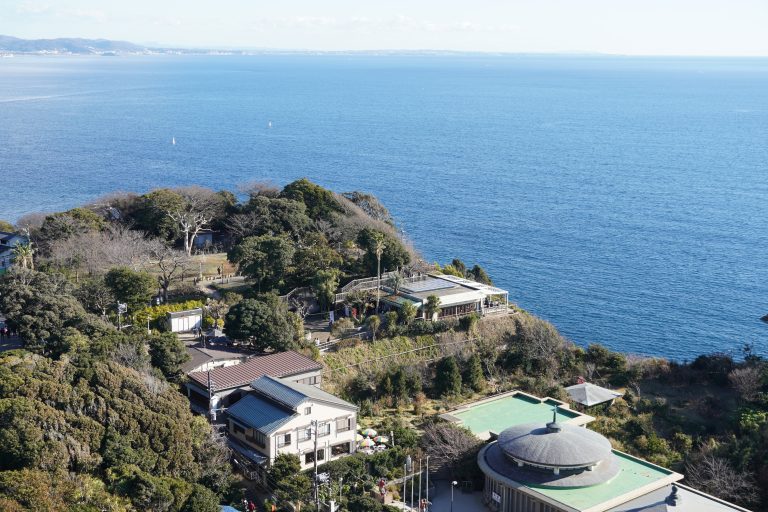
(23, 254)
(432, 306)
(395, 281)
(379, 240)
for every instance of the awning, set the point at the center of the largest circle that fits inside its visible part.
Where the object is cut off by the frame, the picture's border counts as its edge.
(249, 453)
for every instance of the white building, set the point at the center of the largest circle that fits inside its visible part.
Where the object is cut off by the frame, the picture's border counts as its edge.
(280, 416)
(185, 321)
(7, 242)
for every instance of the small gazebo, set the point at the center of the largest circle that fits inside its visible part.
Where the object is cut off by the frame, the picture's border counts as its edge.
(589, 395)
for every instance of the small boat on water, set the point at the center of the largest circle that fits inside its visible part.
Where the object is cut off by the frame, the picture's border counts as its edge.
(269, 124)
(173, 141)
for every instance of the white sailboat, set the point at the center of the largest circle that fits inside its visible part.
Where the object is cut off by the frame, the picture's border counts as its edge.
(173, 141)
(269, 124)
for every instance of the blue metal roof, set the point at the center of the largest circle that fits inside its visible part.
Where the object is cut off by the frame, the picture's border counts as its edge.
(278, 391)
(292, 394)
(256, 412)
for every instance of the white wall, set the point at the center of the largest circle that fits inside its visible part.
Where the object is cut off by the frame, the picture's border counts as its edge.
(322, 413)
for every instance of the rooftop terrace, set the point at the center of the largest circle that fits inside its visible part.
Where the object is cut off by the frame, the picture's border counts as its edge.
(495, 414)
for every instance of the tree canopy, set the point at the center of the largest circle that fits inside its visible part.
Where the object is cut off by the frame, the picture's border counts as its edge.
(263, 322)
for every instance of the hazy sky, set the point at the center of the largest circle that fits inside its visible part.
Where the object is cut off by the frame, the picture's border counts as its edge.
(661, 27)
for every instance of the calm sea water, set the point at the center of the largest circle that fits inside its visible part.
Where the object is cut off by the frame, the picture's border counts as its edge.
(622, 199)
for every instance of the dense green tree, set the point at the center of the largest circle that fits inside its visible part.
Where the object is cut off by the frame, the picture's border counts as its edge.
(264, 215)
(325, 283)
(459, 266)
(478, 274)
(263, 322)
(168, 354)
(448, 378)
(407, 312)
(150, 215)
(393, 256)
(96, 296)
(474, 378)
(202, 499)
(131, 287)
(7, 227)
(313, 255)
(373, 322)
(284, 465)
(264, 258)
(42, 307)
(432, 307)
(320, 203)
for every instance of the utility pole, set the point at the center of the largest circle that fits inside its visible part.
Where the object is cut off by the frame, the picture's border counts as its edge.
(313, 427)
(379, 250)
(420, 475)
(211, 409)
(427, 485)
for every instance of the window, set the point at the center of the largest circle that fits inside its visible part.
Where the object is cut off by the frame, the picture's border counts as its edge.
(323, 429)
(343, 424)
(307, 411)
(305, 433)
(237, 429)
(257, 438)
(309, 457)
(339, 449)
(283, 440)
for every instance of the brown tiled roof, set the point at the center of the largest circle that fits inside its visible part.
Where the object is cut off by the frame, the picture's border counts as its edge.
(281, 364)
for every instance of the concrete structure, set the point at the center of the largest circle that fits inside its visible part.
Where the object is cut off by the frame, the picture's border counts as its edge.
(281, 416)
(458, 296)
(230, 382)
(487, 418)
(185, 321)
(590, 395)
(563, 467)
(7, 242)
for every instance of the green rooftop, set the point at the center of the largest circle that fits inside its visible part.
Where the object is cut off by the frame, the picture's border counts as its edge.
(634, 474)
(499, 413)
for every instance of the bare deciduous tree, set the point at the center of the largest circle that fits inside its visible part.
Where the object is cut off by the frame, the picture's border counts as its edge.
(447, 444)
(96, 252)
(169, 263)
(196, 212)
(715, 475)
(747, 381)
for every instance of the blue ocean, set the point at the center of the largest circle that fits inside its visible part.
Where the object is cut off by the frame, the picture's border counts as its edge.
(623, 199)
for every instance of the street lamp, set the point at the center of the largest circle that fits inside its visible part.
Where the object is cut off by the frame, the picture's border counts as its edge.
(453, 484)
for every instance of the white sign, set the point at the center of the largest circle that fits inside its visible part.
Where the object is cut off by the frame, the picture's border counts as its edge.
(495, 497)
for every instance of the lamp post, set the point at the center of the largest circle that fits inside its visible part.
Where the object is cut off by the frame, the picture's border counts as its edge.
(427, 484)
(453, 484)
(341, 480)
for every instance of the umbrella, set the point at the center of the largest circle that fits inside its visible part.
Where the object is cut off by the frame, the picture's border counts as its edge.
(359, 437)
(381, 439)
(369, 432)
(367, 443)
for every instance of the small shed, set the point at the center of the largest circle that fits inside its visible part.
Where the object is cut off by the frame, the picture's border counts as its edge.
(185, 321)
(588, 394)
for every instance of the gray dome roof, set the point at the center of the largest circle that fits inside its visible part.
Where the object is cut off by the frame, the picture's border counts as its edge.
(565, 446)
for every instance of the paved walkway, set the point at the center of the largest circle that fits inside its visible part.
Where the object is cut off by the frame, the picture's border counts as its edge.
(441, 501)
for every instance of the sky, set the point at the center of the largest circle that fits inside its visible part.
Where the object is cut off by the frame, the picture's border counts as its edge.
(629, 27)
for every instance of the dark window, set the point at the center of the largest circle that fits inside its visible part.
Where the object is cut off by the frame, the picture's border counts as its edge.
(320, 454)
(309, 457)
(237, 429)
(339, 449)
(307, 410)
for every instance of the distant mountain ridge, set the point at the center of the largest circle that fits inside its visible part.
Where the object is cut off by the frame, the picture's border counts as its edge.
(10, 44)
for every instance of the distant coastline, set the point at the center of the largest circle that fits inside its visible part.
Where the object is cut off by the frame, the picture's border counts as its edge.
(65, 46)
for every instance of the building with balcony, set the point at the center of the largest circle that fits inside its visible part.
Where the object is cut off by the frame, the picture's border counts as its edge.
(281, 416)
